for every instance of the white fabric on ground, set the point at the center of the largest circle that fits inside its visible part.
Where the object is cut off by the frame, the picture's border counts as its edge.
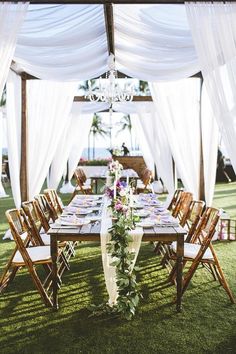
(110, 271)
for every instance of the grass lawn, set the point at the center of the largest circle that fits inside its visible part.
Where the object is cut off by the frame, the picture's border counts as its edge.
(207, 324)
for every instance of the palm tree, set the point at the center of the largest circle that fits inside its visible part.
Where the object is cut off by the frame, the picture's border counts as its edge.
(3, 98)
(143, 87)
(85, 86)
(125, 124)
(97, 128)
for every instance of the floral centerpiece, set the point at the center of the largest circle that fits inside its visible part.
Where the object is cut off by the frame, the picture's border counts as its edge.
(113, 173)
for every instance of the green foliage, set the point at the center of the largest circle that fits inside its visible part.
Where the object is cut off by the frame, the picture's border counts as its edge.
(95, 162)
(128, 294)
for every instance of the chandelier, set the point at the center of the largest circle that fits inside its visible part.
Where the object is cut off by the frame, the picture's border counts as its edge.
(109, 91)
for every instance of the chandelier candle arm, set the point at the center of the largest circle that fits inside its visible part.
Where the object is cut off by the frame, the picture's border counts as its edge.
(110, 92)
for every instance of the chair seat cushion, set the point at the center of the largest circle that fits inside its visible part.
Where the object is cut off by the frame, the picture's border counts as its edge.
(37, 253)
(191, 250)
(46, 239)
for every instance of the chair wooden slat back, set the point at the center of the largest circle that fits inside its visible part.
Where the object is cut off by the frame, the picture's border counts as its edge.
(182, 205)
(31, 210)
(186, 200)
(54, 201)
(81, 179)
(45, 208)
(191, 219)
(206, 226)
(147, 177)
(175, 200)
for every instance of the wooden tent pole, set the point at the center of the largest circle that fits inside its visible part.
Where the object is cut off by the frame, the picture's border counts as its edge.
(24, 134)
(201, 169)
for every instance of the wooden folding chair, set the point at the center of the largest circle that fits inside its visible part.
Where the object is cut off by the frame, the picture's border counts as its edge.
(200, 251)
(182, 211)
(10, 270)
(39, 226)
(54, 201)
(26, 256)
(46, 210)
(180, 207)
(189, 220)
(147, 178)
(82, 183)
(175, 200)
(46, 214)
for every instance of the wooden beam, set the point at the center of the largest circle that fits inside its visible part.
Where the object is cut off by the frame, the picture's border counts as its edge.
(135, 99)
(24, 134)
(201, 169)
(109, 23)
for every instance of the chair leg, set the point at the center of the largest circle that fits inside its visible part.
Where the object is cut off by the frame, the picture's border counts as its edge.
(8, 277)
(224, 282)
(189, 275)
(40, 287)
(8, 274)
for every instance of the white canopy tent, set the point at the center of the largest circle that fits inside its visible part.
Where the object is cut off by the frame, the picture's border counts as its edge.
(68, 43)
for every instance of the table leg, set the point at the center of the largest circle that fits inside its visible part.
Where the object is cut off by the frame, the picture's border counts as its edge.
(54, 255)
(179, 275)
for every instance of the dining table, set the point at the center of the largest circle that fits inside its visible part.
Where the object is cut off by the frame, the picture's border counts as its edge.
(92, 232)
(126, 174)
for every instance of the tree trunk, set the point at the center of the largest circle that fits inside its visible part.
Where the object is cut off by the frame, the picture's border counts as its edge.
(93, 146)
(89, 146)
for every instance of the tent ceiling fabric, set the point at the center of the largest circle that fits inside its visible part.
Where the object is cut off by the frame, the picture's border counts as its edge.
(69, 42)
(154, 42)
(63, 42)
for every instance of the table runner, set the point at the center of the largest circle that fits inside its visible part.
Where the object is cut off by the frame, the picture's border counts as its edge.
(110, 271)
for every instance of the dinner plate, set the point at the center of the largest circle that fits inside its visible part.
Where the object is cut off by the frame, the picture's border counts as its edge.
(74, 222)
(142, 214)
(95, 218)
(145, 224)
(83, 211)
(138, 206)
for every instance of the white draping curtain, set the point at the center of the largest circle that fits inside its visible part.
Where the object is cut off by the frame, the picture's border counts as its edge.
(11, 18)
(158, 143)
(84, 123)
(210, 139)
(214, 34)
(48, 107)
(2, 191)
(13, 109)
(59, 161)
(131, 108)
(177, 104)
(147, 153)
(154, 42)
(63, 42)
